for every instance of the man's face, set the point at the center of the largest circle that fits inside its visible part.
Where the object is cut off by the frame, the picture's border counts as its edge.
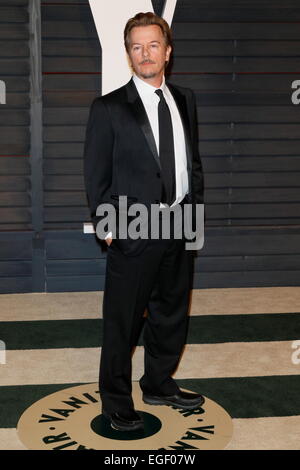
(148, 51)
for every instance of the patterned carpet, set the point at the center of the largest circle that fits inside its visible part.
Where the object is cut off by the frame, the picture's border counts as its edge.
(240, 353)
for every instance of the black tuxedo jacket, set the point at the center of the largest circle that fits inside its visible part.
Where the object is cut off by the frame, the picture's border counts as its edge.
(120, 155)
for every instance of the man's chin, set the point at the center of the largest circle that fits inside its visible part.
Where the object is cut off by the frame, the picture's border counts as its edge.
(148, 75)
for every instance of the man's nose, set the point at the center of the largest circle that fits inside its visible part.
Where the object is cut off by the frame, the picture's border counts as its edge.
(145, 52)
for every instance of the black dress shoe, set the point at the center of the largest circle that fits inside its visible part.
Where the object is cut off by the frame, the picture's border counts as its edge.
(124, 420)
(185, 400)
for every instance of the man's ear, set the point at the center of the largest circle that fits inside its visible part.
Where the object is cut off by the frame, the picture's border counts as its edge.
(129, 61)
(168, 53)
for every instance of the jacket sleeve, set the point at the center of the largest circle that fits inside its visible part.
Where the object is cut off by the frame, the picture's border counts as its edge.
(98, 157)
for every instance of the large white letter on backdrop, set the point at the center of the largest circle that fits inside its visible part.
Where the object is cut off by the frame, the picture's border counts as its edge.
(110, 17)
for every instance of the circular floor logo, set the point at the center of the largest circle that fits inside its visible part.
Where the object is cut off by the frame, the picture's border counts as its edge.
(71, 419)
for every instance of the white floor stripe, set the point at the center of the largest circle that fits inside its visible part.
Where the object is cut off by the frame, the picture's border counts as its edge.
(266, 434)
(9, 440)
(198, 361)
(76, 305)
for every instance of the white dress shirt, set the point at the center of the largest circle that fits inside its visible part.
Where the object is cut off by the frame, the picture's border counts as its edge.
(150, 101)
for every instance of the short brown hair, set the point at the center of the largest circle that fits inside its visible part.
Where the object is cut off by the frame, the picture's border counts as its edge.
(147, 19)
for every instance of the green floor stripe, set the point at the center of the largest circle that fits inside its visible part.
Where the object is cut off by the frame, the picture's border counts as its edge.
(241, 397)
(16, 399)
(206, 329)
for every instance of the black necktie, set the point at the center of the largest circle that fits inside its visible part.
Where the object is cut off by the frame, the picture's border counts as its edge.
(166, 150)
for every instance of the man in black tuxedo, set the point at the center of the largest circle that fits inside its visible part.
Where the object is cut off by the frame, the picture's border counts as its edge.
(142, 142)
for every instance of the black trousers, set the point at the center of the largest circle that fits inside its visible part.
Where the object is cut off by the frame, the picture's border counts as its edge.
(158, 279)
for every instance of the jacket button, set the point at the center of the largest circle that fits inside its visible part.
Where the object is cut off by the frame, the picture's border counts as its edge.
(157, 201)
(158, 175)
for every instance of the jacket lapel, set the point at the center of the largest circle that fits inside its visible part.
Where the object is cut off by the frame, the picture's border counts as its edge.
(138, 110)
(182, 108)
